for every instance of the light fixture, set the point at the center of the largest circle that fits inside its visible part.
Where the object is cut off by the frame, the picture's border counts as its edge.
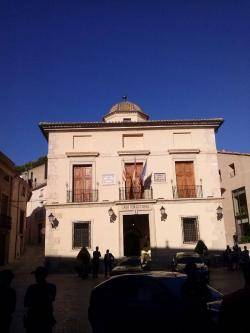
(112, 215)
(164, 215)
(53, 221)
(219, 212)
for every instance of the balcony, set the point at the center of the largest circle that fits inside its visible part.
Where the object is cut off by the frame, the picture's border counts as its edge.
(82, 196)
(5, 221)
(133, 193)
(181, 192)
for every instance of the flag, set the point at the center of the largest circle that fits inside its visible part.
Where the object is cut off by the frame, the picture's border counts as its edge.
(134, 173)
(144, 171)
(147, 182)
(124, 174)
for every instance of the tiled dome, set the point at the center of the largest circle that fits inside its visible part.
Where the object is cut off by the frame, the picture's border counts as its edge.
(125, 106)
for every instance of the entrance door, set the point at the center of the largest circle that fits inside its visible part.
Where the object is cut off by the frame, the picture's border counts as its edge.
(82, 183)
(185, 179)
(133, 185)
(136, 235)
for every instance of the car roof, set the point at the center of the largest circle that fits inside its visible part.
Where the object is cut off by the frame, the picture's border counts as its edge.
(153, 274)
(187, 254)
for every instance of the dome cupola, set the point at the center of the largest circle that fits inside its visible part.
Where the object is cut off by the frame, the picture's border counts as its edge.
(125, 111)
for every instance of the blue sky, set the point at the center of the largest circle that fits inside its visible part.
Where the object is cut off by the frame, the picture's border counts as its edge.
(71, 60)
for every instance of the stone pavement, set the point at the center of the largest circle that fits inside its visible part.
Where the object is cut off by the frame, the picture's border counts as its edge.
(71, 305)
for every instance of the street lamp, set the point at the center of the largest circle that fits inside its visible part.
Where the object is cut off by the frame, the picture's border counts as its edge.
(112, 215)
(53, 221)
(219, 212)
(164, 215)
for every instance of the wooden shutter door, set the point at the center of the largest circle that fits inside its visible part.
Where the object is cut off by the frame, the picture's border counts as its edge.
(87, 180)
(137, 185)
(82, 183)
(133, 189)
(185, 179)
(129, 168)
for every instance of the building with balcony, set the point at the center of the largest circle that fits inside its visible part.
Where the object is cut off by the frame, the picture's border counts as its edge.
(127, 183)
(14, 194)
(234, 172)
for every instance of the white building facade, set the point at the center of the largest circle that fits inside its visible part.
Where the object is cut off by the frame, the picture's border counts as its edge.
(129, 183)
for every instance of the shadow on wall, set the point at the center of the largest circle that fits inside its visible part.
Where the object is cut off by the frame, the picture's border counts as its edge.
(161, 260)
(36, 226)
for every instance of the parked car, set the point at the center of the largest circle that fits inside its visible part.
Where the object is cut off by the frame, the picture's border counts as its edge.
(129, 265)
(181, 259)
(145, 302)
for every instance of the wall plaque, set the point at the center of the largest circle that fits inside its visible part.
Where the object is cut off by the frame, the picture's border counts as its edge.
(108, 179)
(160, 177)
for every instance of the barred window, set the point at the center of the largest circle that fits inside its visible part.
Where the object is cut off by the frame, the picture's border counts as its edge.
(81, 234)
(190, 229)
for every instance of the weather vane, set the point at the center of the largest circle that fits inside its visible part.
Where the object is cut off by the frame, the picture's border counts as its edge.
(124, 98)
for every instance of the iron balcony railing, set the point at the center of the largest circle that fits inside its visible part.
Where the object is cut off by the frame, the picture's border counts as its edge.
(82, 195)
(180, 192)
(133, 193)
(5, 221)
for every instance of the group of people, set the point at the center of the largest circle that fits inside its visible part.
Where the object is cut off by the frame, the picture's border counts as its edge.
(236, 259)
(84, 262)
(38, 303)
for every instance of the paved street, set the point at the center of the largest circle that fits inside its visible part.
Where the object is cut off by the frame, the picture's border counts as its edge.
(73, 293)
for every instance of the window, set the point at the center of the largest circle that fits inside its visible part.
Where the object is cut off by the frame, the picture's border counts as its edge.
(241, 212)
(21, 221)
(232, 170)
(190, 229)
(126, 120)
(81, 234)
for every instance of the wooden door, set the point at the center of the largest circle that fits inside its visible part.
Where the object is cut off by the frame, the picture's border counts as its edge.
(82, 183)
(185, 179)
(133, 185)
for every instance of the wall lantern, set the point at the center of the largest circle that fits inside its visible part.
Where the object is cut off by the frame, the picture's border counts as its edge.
(219, 212)
(164, 215)
(112, 215)
(53, 221)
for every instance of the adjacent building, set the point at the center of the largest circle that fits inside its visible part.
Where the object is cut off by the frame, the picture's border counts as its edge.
(234, 172)
(14, 194)
(37, 177)
(129, 183)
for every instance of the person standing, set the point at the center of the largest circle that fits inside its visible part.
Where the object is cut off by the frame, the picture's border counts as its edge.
(245, 262)
(108, 262)
(7, 300)
(96, 261)
(83, 258)
(38, 301)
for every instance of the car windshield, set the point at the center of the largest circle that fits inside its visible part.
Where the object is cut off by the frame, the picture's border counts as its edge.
(188, 260)
(131, 262)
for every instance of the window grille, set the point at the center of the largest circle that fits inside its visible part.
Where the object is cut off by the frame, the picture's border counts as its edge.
(190, 229)
(81, 234)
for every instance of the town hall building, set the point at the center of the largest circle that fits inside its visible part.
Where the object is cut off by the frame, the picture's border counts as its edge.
(128, 183)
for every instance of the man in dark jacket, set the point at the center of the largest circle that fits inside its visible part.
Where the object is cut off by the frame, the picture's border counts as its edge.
(7, 300)
(96, 261)
(108, 262)
(83, 258)
(39, 300)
